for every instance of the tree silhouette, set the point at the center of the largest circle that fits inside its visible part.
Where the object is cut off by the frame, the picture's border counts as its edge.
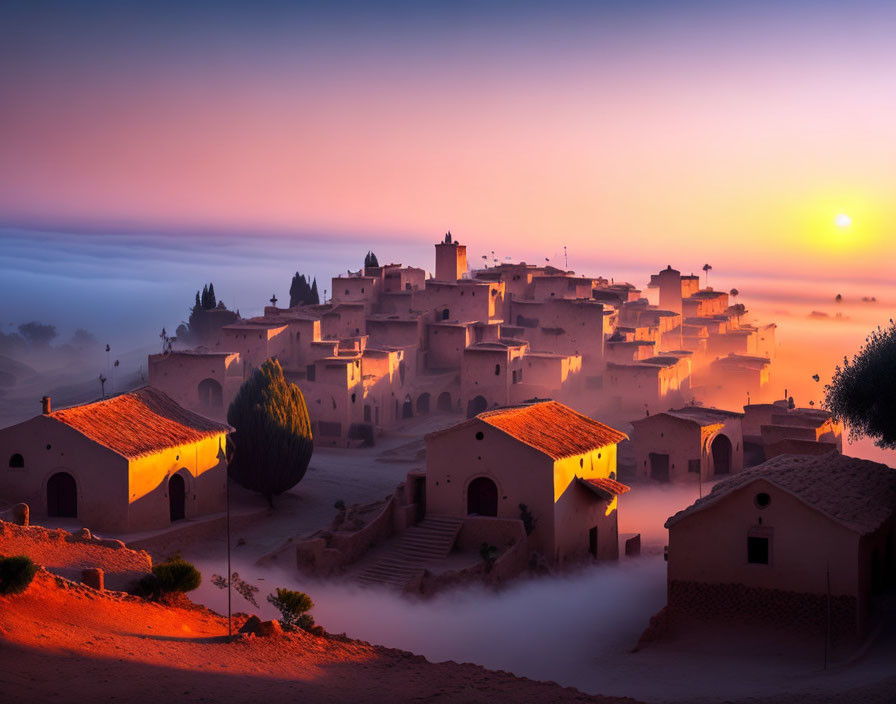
(272, 443)
(301, 293)
(707, 268)
(370, 261)
(862, 393)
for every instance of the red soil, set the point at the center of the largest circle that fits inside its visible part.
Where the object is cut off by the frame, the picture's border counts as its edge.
(63, 642)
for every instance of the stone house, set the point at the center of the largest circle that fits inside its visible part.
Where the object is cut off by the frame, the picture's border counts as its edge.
(133, 462)
(786, 542)
(688, 444)
(559, 463)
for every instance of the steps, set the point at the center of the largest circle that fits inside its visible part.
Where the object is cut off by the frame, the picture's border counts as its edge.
(408, 553)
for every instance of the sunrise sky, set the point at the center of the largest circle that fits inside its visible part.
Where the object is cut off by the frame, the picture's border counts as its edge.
(729, 132)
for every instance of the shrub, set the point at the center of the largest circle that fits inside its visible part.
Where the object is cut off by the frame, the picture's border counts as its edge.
(293, 606)
(176, 575)
(16, 574)
(489, 554)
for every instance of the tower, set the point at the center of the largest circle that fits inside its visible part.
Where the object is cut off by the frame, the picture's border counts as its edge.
(451, 260)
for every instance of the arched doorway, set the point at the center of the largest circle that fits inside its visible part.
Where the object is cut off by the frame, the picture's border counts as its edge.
(211, 395)
(62, 496)
(407, 410)
(476, 406)
(444, 401)
(177, 497)
(482, 497)
(423, 403)
(721, 455)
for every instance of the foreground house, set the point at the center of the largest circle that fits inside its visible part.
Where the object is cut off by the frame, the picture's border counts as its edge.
(137, 461)
(787, 541)
(559, 463)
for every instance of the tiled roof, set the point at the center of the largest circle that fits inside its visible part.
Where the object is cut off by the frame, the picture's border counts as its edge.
(604, 488)
(138, 423)
(856, 493)
(552, 428)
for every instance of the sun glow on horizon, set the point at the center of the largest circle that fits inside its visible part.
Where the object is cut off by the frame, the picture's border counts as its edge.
(842, 220)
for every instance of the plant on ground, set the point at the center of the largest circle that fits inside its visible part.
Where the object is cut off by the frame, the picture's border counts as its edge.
(272, 443)
(488, 553)
(293, 607)
(174, 575)
(16, 574)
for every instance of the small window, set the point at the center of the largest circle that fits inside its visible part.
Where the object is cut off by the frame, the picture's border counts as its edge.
(757, 550)
(479, 435)
(353, 398)
(310, 372)
(694, 466)
(762, 500)
(497, 370)
(17, 461)
(581, 462)
(346, 292)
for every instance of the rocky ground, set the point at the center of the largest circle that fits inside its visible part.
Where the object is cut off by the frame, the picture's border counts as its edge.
(61, 642)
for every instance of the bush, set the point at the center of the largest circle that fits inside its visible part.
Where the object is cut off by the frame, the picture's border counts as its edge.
(16, 574)
(293, 606)
(174, 575)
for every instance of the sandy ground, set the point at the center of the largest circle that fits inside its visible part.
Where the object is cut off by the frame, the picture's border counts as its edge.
(77, 645)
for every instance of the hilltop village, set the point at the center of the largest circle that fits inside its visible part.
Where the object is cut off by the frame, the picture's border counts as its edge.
(392, 344)
(511, 412)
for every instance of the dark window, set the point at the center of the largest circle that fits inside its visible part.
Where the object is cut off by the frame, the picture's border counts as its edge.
(17, 461)
(310, 372)
(353, 398)
(694, 466)
(497, 370)
(479, 435)
(757, 550)
(762, 500)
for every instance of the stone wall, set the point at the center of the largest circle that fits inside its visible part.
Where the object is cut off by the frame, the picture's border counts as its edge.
(737, 603)
(69, 554)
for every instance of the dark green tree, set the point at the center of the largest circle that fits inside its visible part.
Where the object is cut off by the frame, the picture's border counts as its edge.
(293, 607)
(370, 260)
(315, 296)
(204, 298)
(212, 302)
(37, 334)
(862, 393)
(198, 303)
(271, 444)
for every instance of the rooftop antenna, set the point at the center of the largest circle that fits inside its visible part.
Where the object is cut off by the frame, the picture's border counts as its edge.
(565, 258)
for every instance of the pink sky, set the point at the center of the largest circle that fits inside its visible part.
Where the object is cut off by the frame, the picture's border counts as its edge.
(734, 138)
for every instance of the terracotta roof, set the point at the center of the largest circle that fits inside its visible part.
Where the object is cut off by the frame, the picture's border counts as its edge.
(552, 428)
(605, 488)
(138, 423)
(856, 493)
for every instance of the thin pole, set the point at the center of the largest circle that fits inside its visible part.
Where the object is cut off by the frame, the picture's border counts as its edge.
(229, 573)
(827, 630)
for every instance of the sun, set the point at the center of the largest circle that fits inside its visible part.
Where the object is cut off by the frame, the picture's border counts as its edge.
(842, 220)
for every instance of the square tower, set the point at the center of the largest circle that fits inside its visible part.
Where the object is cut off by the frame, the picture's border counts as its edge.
(451, 260)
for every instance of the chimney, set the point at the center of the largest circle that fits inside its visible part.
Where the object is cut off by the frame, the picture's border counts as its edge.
(45, 401)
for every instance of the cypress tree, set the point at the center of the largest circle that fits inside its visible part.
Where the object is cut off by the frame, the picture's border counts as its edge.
(272, 443)
(204, 299)
(315, 296)
(212, 303)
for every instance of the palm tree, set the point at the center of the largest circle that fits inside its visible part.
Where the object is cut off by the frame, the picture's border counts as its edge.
(707, 268)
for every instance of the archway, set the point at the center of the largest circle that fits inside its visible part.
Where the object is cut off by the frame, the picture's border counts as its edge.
(423, 403)
(476, 406)
(721, 455)
(444, 401)
(407, 410)
(177, 497)
(62, 496)
(211, 395)
(482, 497)
(17, 461)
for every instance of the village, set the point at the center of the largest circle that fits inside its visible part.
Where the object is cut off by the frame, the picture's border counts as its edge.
(479, 427)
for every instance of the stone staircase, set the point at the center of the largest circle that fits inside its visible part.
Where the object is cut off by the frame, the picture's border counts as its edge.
(408, 553)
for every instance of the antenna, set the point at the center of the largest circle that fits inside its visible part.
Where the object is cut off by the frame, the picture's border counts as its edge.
(565, 258)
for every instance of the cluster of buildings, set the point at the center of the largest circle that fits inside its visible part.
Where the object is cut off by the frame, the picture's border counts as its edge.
(393, 343)
(528, 354)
